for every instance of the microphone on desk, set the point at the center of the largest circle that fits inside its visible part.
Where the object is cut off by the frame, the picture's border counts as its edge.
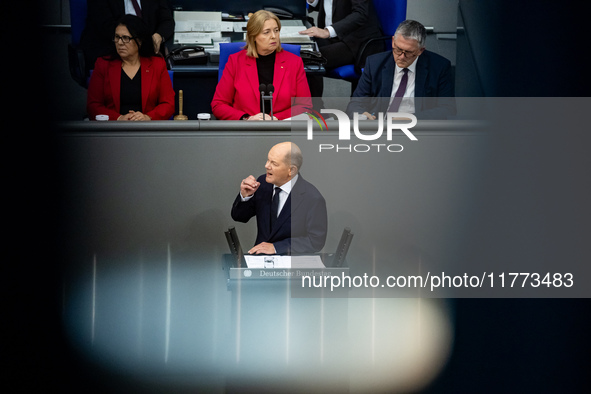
(263, 89)
(271, 89)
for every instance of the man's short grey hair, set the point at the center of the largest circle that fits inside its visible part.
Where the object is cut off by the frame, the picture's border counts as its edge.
(410, 29)
(296, 158)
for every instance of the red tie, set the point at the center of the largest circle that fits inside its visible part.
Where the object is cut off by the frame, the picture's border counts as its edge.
(400, 92)
(136, 7)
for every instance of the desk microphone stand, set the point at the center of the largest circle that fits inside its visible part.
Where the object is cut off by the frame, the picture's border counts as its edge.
(265, 97)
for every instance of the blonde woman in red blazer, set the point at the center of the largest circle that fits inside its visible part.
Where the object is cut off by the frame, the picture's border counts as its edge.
(148, 93)
(237, 95)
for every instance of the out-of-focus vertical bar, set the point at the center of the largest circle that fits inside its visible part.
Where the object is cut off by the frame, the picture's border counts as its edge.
(93, 311)
(168, 293)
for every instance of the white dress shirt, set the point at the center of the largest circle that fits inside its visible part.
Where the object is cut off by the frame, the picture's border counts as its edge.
(129, 7)
(284, 191)
(328, 18)
(408, 99)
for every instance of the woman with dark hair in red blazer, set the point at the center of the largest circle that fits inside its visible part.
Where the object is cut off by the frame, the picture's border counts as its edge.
(132, 84)
(263, 61)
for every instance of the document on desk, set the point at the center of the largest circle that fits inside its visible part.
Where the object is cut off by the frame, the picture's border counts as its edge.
(227, 27)
(239, 27)
(292, 34)
(197, 38)
(197, 21)
(285, 262)
(196, 27)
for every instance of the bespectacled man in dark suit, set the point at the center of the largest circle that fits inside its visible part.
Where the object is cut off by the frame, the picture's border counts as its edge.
(407, 79)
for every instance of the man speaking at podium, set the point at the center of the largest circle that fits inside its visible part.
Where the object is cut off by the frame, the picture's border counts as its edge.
(291, 212)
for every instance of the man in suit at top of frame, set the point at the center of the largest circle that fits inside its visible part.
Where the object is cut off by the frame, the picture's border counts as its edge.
(290, 212)
(407, 79)
(344, 26)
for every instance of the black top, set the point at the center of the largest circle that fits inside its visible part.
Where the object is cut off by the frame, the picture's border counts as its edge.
(266, 70)
(131, 92)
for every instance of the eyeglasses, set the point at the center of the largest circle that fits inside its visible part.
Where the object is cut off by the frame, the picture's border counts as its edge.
(125, 39)
(407, 54)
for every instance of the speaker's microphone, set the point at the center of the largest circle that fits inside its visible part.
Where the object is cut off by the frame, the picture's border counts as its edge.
(271, 89)
(263, 89)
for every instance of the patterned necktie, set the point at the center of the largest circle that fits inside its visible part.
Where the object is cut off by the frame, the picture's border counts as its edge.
(275, 205)
(400, 92)
(136, 7)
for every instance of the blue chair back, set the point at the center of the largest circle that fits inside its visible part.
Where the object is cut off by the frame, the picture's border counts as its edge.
(171, 75)
(390, 13)
(229, 48)
(78, 11)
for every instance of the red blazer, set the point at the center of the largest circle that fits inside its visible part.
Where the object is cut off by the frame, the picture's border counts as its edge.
(238, 92)
(104, 89)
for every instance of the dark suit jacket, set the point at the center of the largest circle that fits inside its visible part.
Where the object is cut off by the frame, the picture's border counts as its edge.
(104, 89)
(103, 15)
(434, 86)
(302, 224)
(355, 21)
